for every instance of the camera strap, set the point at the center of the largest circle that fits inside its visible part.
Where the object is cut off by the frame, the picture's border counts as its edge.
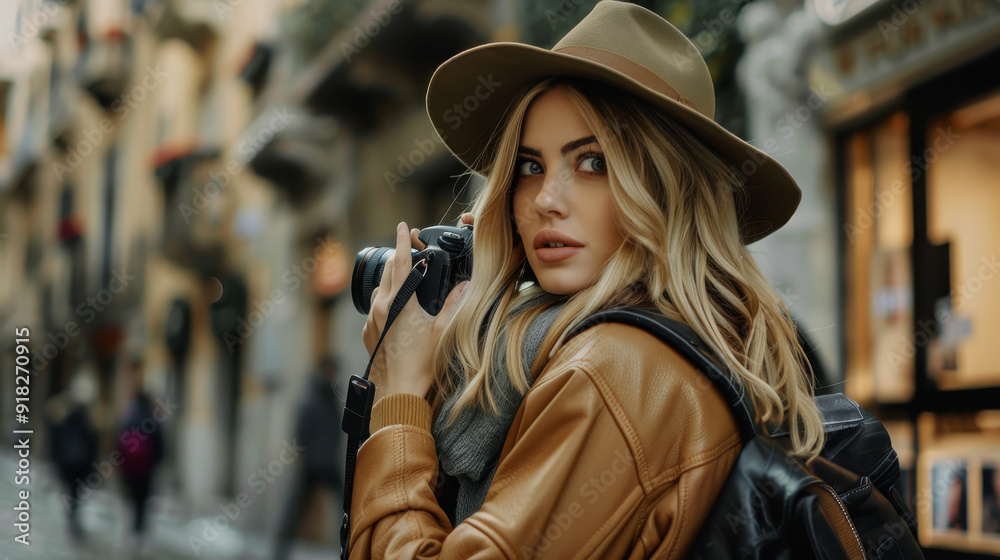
(361, 397)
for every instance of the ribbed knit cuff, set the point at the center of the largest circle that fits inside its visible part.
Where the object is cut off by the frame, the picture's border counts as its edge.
(401, 408)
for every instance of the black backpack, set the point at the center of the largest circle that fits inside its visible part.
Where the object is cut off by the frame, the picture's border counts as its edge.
(772, 506)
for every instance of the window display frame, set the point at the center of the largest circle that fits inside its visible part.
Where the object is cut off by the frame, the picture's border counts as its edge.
(921, 104)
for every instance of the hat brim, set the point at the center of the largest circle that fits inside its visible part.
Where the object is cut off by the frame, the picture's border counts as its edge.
(470, 94)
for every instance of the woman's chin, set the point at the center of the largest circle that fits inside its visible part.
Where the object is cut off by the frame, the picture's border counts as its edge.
(560, 286)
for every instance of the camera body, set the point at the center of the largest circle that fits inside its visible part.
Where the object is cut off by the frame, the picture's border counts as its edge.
(448, 251)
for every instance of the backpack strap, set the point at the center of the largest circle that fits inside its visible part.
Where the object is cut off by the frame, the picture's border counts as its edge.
(686, 342)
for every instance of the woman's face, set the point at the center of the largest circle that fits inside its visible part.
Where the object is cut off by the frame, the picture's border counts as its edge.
(562, 196)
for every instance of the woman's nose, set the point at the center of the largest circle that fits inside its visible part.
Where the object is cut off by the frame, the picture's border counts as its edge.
(552, 199)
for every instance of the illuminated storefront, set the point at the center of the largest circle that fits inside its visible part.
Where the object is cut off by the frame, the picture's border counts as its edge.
(915, 129)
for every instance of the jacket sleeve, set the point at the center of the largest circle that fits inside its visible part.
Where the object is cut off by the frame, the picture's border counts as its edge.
(566, 482)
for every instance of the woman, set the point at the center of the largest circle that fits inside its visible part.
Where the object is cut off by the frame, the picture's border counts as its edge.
(608, 184)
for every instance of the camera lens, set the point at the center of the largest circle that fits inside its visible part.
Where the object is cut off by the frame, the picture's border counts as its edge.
(368, 267)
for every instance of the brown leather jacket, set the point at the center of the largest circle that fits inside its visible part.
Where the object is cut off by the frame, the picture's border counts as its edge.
(617, 451)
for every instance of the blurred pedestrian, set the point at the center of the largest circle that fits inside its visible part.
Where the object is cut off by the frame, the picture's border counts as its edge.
(140, 442)
(73, 443)
(317, 430)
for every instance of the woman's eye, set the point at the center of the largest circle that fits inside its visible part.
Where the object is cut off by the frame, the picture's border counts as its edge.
(529, 167)
(592, 164)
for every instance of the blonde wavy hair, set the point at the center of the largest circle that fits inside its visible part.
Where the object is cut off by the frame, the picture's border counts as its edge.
(675, 204)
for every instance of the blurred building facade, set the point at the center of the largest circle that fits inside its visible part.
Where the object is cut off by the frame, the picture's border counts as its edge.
(181, 182)
(887, 113)
(186, 182)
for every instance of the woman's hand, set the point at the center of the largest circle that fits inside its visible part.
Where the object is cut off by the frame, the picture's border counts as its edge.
(403, 361)
(465, 218)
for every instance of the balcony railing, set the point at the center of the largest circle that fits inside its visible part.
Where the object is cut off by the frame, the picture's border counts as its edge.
(103, 67)
(193, 21)
(291, 149)
(195, 209)
(368, 68)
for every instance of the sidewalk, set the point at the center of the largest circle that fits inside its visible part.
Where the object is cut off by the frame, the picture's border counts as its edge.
(106, 520)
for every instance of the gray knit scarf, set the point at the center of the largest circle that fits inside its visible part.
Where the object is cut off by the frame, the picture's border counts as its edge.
(469, 448)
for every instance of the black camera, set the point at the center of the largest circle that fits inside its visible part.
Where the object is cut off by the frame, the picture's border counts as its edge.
(448, 251)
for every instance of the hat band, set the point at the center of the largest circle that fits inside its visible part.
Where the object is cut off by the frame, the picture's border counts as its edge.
(628, 67)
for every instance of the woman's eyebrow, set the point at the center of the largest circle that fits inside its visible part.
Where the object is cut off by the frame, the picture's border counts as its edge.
(577, 143)
(570, 146)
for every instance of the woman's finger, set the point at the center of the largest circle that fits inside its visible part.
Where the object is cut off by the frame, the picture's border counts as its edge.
(371, 333)
(383, 290)
(402, 261)
(370, 324)
(415, 240)
(373, 327)
(467, 218)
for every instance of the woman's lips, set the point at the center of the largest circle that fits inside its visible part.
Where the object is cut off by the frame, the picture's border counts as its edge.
(552, 236)
(556, 254)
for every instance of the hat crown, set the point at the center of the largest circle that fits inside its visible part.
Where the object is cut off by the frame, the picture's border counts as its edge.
(624, 46)
(636, 34)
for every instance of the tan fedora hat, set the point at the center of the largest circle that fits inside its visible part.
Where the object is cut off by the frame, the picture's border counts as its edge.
(626, 46)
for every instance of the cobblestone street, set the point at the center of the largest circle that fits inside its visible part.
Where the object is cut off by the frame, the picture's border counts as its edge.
(106, 518)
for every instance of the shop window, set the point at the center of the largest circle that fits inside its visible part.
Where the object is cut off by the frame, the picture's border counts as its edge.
(958, 476)
(879, 290)
(963, 195)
